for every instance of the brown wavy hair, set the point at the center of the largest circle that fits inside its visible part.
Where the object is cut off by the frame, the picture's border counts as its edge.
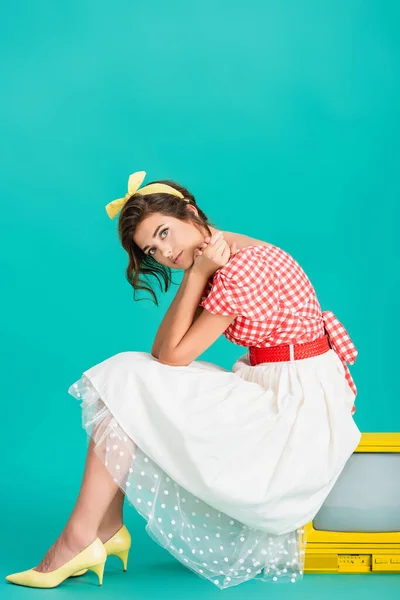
(134, 211)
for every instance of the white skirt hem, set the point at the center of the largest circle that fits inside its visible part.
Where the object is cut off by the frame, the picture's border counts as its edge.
(212, 544)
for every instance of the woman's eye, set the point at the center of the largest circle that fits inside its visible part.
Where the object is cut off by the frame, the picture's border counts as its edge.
(163, 238)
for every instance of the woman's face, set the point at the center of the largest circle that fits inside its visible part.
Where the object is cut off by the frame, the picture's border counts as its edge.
(164, 238)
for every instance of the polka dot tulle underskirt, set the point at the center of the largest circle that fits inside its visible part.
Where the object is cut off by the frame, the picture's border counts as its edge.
(209, 542)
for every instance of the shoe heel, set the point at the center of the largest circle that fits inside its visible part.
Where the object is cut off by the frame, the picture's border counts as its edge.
(99, 570)
(123, 555)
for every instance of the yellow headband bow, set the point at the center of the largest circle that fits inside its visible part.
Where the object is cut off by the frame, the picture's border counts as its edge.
(134, 181)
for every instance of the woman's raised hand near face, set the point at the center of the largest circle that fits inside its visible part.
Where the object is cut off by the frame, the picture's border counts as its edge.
(233, 247)
(213, 254)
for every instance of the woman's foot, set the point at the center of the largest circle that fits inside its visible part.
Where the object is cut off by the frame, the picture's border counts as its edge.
(68, 545)
(106, 532)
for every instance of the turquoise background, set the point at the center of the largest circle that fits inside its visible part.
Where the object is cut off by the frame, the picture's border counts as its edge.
(282, 118)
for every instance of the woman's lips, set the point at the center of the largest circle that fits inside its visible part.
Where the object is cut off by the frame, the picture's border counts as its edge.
(178, 257)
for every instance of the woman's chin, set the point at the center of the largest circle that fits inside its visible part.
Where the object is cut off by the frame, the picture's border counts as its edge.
(185, 266)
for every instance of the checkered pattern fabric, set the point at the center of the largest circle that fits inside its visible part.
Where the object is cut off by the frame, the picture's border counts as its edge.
(276, 304)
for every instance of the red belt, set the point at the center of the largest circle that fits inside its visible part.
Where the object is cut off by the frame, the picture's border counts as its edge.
(283, 351)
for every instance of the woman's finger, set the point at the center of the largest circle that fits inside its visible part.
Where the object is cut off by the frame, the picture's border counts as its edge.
(216, 237)
(220, 248)
(226, 253)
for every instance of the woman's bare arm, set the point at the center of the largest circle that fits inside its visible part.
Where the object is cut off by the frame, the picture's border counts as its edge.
(158, 339)
(200, 336)
(169, 320)
(180, 314)
(184, 310)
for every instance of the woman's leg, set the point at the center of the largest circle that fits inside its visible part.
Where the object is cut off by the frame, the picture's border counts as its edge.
(97, 491)
(113, 518)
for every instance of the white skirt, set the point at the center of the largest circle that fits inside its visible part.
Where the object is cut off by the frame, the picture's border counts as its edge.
(225, 466)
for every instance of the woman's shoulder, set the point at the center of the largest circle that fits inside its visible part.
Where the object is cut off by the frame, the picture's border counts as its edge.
(249, 259)
(245, 286)
(251, 264)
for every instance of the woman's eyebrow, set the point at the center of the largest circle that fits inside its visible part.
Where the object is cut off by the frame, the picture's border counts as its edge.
(154, 235)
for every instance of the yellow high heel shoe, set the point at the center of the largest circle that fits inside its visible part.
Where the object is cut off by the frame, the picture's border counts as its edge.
(92, 558)
(118, 545)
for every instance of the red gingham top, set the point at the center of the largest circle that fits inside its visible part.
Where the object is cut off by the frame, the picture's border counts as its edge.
(276, 304)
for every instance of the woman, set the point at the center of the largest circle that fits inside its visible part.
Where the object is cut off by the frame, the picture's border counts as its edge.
(225, 466)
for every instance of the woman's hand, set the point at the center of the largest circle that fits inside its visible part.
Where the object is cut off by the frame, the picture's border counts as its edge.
(213, 254)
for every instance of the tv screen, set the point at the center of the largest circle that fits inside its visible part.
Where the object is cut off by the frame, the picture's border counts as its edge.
(366, 496)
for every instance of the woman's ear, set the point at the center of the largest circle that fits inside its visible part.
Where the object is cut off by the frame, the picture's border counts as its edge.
(193, 209)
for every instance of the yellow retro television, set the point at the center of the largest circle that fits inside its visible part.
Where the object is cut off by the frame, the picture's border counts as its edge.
(357, 529)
